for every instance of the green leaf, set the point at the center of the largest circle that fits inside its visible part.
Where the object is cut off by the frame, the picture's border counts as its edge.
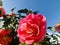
(51, 28)
(54, 37)
(36, 43)
(12, 9)
(58, 35)
(23, 44)
(47, 34)
(29, 11)
(1, 3)
(35, 12)
(23, 10)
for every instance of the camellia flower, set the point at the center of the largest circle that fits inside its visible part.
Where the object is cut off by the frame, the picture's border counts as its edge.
(32, 28)
(5, 38)
(57, 27)
(2, 11)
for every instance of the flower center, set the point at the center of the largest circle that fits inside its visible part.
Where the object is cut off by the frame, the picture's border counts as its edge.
(29, 31)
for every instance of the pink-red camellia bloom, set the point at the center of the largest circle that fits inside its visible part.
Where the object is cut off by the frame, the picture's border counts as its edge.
(32, 28)
(57, 27)
(2, 12)
(5, 37)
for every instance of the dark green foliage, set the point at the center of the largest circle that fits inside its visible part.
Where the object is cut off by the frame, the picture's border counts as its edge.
(12, 9)
(35, 12)
(51, 28)
(10, 23)
(24, 11)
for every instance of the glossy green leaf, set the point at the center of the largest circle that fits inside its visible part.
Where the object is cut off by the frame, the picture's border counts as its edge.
(51, 28)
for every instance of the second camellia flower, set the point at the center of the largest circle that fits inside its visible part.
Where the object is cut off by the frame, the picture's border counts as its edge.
(57, 27)
(5, 37)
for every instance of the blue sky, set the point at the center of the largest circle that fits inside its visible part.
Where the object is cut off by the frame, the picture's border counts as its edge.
(49, 8)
